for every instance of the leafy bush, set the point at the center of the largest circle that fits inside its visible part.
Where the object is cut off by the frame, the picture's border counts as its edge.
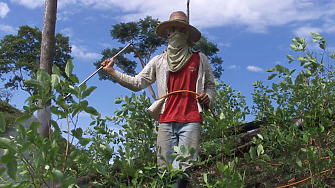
(295, 140)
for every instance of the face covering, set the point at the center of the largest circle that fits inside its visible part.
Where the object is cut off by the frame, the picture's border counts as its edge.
(178, 52)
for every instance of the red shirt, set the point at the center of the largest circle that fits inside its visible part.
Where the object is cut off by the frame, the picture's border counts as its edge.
(182, 107)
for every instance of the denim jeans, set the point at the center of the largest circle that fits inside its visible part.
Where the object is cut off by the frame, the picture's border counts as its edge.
(177, 134)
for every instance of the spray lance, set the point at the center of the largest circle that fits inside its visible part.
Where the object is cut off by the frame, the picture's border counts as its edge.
(98, 69)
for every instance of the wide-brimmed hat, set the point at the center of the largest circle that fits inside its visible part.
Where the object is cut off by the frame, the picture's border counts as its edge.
(178, 19)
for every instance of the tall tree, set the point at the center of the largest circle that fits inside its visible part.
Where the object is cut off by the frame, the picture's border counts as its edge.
(20, 56)
(47, 54)
(210, 50)
(146, 42)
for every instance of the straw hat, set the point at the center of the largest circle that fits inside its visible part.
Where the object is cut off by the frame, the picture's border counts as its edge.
(178, 19)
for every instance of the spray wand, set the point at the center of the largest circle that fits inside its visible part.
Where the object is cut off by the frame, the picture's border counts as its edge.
(98, 69)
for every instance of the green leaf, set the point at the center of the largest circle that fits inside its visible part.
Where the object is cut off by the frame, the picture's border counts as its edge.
(322, 128)
(266, 157)
(293, 47)
(333, 55)
(56, 111)
(83, 87)
(118, 101)
(247, 157)
(21, 131)
(260, 136)
(272, 76)
(55, 125)
(269, 70)
(74, 79)
(2, 123)
(7, 158)
(260, 149)
(84, 141)
(77, 133)
(56, 70)
(76, 110)
(38, 157)
(6, 143)
(205, 178)
(12, 169)
(169, 166)
(322, 46)
(42, 75)
(73, 155)
(102, 169)
(298, 161)
(32, 83)
(71, 90)
(69, 68)
(279, 68)
(299, 80)
(23, 117)
(252, 152)
(26, 146)
(2, 170)
(55, 80)
(110, 118)
(34, 126)
(57, 175)
(91, 110)
(289, 57)
(221, 167)
(88, 91)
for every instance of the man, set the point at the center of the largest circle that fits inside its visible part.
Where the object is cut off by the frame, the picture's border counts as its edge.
(178, 68)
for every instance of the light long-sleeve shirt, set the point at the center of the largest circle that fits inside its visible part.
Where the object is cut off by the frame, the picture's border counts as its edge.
(157, 70)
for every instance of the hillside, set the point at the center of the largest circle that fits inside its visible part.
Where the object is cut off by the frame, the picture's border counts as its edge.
(9, 112)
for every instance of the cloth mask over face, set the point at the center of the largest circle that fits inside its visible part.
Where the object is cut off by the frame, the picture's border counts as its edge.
(178, 52)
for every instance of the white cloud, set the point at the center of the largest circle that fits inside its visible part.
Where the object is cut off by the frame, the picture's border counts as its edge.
(255, 15)
(30, 3)
(7, 29)
(106, 45)
(329, 25)
(254, 68)
(67, 32)
(306, 31)
(234, 67)
(80, 52)
(225, 44)
(4, 9)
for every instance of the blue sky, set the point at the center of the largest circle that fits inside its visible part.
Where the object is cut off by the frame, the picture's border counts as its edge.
(252, 35)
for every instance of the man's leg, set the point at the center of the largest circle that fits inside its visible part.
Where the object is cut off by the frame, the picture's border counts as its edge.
(188, 136)
(166, 140)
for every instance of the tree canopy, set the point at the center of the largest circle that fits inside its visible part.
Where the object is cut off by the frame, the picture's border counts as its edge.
(210, 50)
(146, 42)
(20, 55)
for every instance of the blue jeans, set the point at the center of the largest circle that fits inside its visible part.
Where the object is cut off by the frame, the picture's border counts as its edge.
(177, 134)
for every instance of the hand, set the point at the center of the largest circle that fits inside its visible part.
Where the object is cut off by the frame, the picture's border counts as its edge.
(203, 99)
(108, 65)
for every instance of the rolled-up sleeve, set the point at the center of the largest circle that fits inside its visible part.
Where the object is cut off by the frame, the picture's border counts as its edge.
(142, 80)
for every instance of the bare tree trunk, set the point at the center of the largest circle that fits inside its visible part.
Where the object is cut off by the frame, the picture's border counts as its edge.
(46, 60)
(188, 10)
